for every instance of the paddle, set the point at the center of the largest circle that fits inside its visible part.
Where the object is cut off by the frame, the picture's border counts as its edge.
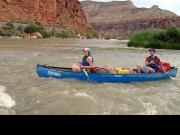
(85, 73)
(90, 67)
(165, 73)
(163, 69)
(172, 78)
(56, 67)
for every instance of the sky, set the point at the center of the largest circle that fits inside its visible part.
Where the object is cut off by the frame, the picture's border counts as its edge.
(172, 5)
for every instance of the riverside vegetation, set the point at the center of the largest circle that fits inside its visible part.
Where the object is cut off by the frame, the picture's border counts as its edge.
(157, 38)
(9, 30)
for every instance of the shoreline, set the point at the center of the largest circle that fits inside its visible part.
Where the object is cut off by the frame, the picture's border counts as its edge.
(54, 38)
(102, 44)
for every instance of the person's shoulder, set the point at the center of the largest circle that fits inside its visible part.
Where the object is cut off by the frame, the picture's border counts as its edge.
(89, 58)
(148, 58)
(157, 57)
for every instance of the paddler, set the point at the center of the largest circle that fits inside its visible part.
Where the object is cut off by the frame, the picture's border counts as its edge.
(152, 63)
(87, 62)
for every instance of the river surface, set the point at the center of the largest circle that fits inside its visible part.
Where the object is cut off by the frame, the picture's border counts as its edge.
(23, 92)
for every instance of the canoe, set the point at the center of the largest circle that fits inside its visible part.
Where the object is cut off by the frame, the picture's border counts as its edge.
(66, 73)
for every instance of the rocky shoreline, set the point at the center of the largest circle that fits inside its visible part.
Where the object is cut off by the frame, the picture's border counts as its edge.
(17, 30)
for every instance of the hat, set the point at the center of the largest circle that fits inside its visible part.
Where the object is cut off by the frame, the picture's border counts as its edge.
(152, 49)
(87, 50)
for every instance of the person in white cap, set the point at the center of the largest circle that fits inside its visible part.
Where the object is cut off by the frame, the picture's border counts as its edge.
(87, 62)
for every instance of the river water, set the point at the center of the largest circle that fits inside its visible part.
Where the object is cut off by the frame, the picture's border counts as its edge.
(22, 92)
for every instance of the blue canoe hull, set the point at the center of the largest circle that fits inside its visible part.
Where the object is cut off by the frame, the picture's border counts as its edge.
(61, 73)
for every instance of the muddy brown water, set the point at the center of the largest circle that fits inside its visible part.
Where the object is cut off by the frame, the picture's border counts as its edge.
(23, 92)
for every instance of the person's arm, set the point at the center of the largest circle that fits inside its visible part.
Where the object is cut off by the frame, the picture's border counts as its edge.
(147, 62)
(90, 61)
(80, 63)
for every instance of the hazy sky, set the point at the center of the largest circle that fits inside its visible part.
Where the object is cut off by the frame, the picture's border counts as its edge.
(173, 5)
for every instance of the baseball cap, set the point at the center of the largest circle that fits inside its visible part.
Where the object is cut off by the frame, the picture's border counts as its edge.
(87, 50)
(152, 49)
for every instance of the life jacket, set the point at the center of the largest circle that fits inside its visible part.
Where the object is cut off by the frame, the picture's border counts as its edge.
(155, 60)
(84, 60)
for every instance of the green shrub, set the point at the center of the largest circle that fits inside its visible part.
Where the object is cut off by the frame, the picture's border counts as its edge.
(8, 26)
(6, 33)
(64, 34)
(53, 33)
(47, 34)
(33, 28)
(161, 36)
(92, 34)
(173, 33)
(157, 38)
(1, 31)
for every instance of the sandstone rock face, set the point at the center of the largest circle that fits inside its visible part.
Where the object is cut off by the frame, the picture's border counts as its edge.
(127, 28)
(62, 13)
(122, 18)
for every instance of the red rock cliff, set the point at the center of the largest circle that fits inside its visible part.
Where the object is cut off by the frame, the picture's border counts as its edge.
(62, 13)
(122, 18)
